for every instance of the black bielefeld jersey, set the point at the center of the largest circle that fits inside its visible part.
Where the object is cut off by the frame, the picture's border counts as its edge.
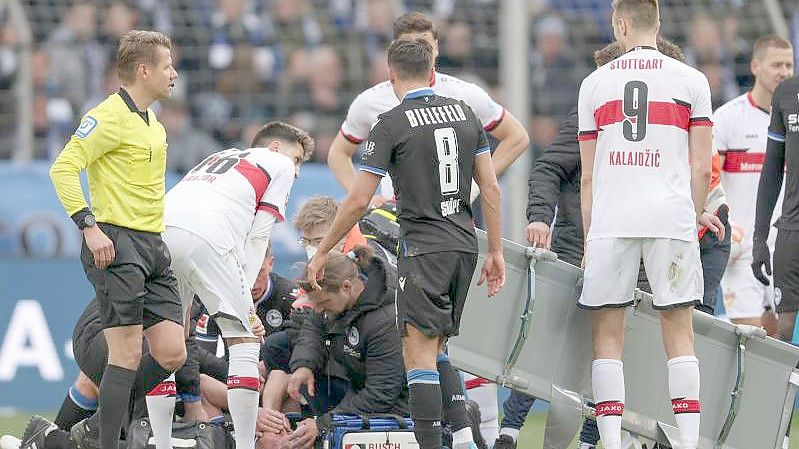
(782, 159)
(428, 144)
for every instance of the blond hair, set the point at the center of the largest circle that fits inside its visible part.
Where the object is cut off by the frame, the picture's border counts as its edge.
(769, 41)
(138, 47)
(319, 210)
(642, 14)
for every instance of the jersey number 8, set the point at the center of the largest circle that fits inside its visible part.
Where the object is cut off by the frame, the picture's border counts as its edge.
(447, 149)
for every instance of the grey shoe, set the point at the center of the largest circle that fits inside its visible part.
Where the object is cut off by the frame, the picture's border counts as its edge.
(504, 442)
(473, 412)
(35, 433)
(85, 435)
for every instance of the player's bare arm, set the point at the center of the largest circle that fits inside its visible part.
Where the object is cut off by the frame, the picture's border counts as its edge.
(494, 265)
(339, 158)
(700, 143)
(352, 208)
(587, 153)
(513, 142)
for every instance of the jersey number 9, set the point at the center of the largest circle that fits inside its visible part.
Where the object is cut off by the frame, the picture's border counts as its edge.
(636, 107)
(447, 149)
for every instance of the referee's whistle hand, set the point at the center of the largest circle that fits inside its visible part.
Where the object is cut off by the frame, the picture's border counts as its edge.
(493, 271)
(100, 245)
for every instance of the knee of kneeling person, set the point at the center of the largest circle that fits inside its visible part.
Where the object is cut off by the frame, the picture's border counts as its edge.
(172, 357)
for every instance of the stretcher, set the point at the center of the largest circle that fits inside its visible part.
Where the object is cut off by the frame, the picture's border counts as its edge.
(533, 338)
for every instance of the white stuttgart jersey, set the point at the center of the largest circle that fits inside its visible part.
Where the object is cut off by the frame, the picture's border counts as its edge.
(218, 199)
(740, 134)
(639, 108)
(380, 98)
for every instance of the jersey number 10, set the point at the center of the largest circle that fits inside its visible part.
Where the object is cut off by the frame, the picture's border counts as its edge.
(447, 149)
(636, 108)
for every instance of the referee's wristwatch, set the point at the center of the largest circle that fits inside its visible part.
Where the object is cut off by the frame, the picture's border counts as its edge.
(84, 219)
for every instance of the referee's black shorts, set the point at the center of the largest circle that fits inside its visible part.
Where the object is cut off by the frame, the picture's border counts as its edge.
(786, 270)
(138, 287)
(432, 291)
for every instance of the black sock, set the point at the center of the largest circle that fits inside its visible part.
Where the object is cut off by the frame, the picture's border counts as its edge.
(149, 375)
(452, 396)
(70, 412)
(114, 400)
(58, 439)
(425, 399)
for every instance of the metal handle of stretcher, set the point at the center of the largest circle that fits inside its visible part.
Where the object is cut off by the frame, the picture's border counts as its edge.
(533, 255)
(744, 332)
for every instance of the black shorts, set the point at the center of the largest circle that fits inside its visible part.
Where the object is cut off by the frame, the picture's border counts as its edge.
(91, 351)
(138, 287)
(786, 270)
(432, 291)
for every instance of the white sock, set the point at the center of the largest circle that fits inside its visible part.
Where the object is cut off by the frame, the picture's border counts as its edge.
(462, 439)
(510, 431)
(160, 408)
(243, 383)
(485, 395)
(684, 391)
(607, 379)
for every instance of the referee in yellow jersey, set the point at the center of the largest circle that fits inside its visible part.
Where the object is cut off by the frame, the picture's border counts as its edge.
(122, 147)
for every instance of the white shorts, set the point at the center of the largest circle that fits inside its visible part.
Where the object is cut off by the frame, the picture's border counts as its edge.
(744, 295)
(217, 279)
(673, 268)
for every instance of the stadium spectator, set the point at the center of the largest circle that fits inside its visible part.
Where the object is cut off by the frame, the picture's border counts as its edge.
(555, 73)
(187, 144)
(707, 51)
(78, 55)
(295, 25)
(238, 34)
(457, 55)
(119, 19)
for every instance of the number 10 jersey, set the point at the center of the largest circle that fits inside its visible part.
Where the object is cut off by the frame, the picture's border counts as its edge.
(428, 144)
(218, 199)
(639, 109)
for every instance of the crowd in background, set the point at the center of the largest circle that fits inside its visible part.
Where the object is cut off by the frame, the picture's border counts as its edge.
(244, 62)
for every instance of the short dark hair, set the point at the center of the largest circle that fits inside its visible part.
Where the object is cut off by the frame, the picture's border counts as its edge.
(765, 42)
(642, 14)
(410, 58)
(613, 50)
(413, 22)
(287, 133)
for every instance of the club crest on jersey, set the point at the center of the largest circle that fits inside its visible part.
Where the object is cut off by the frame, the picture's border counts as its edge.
(202, 324)
(353, 337)
(368, 149)
(274, 318)
(86, 127)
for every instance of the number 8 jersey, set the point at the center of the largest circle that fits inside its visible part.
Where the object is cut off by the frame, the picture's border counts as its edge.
(639, 109)
(428, 144)
(218, 199)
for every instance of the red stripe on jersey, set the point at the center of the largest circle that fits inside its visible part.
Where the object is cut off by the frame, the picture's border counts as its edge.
(350, 138)
(684, 406)
(701, 121)
(165, 388)
(476, 382)
(494, 123)
(587, 135)
(744, 162)
(659, 113)
(272, 209)
(257, 177)
(247, 383)
(609, 408)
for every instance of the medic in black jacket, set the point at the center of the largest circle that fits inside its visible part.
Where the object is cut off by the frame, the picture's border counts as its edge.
(360, 333)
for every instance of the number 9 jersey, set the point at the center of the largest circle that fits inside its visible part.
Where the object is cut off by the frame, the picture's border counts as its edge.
(639, 109)
(428, 144)
(218, 199)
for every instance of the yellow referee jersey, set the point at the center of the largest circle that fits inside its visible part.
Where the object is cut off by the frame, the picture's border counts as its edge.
(123, 151)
